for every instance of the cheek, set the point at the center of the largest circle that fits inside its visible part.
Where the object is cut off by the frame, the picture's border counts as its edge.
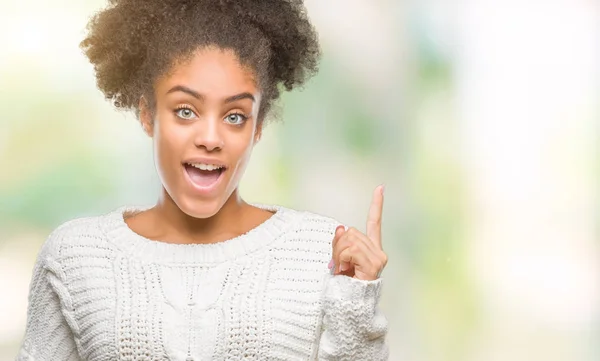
(168, 141)
(242, 150)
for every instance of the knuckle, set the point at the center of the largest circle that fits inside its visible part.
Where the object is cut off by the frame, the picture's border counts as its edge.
(345, 256)
(354, 248)
(350, 239)
(376, 264)
(375, 221)
(346, 243)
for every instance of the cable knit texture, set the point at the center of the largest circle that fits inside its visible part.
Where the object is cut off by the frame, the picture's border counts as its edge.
(100, 291)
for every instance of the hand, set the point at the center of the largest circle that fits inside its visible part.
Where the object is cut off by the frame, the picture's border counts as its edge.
(358, 255)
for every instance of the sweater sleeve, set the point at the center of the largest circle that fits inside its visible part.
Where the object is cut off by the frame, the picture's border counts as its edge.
(49, 328)
(354, 328)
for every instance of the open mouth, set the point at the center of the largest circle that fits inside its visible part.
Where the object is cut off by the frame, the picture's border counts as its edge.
(203, 178)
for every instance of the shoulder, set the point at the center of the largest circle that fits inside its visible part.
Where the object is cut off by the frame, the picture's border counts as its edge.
(317, 223)
(68, 234)
(314, 228)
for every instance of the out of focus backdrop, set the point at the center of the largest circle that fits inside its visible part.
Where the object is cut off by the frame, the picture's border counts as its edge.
(482, 118)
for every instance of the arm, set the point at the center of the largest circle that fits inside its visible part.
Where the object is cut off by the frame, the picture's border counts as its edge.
(48, 333)
(354, 326)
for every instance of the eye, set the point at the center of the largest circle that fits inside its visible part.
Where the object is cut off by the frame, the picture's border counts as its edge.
(236, 119)
(185, 113)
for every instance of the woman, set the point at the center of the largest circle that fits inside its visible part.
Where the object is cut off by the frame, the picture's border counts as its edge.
(203, 275)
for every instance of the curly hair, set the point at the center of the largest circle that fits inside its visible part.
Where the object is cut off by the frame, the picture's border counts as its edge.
(131, 43)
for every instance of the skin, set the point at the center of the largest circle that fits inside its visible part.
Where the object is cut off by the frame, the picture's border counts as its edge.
(184, 126)
(206, 123)
(360, 255)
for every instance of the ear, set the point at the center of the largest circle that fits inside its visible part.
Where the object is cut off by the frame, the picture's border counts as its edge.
(258, 133)
(146, 117)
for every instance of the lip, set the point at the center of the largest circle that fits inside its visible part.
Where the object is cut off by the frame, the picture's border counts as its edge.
(205, 191)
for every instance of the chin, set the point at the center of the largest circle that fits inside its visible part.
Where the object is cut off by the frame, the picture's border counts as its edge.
(200, 208)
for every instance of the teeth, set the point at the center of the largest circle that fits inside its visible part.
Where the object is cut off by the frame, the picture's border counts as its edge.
(205, 166)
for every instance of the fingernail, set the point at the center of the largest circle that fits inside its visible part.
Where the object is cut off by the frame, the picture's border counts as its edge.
(382, 188)
(330, 264)
(343, 267)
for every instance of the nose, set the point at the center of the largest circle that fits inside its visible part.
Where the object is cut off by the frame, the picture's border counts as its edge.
(208, 134)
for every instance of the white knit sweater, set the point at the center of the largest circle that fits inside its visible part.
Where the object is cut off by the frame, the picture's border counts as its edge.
(102, 292)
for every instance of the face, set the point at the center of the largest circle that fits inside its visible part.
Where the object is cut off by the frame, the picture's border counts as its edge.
(206, 114)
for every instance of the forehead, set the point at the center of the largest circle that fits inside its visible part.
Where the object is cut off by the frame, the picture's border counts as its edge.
(211, 71)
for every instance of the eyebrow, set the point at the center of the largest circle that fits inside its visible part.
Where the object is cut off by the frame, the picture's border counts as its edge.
(199, 96)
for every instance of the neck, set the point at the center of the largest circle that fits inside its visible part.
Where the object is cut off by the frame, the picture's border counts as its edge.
(172, 221)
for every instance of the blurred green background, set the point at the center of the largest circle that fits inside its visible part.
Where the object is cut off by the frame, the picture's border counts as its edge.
(480, 117)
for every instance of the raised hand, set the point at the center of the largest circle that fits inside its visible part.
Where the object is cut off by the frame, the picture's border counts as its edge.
(356, 254)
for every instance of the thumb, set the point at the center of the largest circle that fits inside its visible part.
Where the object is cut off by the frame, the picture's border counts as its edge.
(339, 231)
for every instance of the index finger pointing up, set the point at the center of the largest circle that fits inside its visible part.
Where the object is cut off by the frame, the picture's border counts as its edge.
(374, 217)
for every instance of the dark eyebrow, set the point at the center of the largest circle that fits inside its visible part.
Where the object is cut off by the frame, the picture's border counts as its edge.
(240, 96)
(187, 90)
(199, 96)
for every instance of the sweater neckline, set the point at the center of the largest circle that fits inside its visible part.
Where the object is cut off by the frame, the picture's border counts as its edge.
(159, 251)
